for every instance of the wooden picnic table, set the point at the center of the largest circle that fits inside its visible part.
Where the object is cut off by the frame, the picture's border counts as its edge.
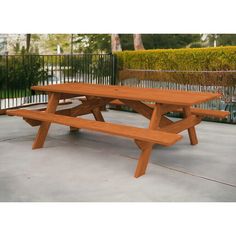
(152, 103)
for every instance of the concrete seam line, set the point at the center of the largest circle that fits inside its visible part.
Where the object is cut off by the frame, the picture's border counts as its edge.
(189, 173)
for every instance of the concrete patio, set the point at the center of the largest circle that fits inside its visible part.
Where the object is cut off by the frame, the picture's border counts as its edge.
(88, 166)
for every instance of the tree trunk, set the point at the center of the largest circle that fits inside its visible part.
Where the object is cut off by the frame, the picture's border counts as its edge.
(28, 37)
(115, 43)
(138, 43)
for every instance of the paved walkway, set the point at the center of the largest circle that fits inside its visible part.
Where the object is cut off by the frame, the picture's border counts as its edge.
(91, 166)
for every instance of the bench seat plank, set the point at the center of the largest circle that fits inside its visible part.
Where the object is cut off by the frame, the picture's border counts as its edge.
(144, 134)
(206, 112)
(194, 111)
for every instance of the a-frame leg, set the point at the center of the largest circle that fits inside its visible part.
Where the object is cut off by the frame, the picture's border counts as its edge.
(96, 112)
(191, 131)
(146, 148)
(44, 127)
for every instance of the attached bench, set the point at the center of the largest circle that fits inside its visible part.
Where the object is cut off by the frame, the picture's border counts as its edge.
(143, 134)
(194, 111)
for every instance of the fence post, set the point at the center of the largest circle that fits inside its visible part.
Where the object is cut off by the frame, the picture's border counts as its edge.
(114, 70)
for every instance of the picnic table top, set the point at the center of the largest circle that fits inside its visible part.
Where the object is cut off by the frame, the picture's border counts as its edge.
(176, 97)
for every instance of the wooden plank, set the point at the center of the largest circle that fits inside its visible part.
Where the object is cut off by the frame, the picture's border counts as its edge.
(194, 111)
(168, 108)
(173, 97)
(181, 125)
(89, 105)
(67, 96)
(147, 147)
(65, 112)
(165, 121)
(139, 107)
(96, 111)
(191, 131)
(206, 112)
(148, 135)
(44, 127)
(31, 122)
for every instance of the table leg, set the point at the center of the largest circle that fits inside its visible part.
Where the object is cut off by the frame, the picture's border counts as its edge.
(96, 112)
(147, 147)
(191, 131)
(44, 127)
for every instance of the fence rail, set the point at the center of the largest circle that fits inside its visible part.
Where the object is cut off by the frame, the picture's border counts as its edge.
(19, 72)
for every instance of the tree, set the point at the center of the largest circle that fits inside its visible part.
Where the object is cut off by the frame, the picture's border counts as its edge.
(159, 41)
(115, 43)
(138, 43)
(221, 39)
(226, 39)
(63, 40)
(28, 37)
(88, 43)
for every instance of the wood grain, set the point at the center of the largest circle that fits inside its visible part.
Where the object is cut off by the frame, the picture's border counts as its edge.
(191, 131)
(144, 134)
(173, 97)
(44, 127)
(146, 148)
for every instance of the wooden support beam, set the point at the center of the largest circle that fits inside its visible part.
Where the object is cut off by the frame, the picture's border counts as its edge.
(146, 147)
(89, 105)
(191, 131)
(67, 96)
(182, 125)
(44, 127)
(165, 121)
(32, 122)
(168, 108)
(142, 145)
(139, 107)
(96, 110)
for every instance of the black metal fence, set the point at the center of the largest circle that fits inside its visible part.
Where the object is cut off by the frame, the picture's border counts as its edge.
(19, 72)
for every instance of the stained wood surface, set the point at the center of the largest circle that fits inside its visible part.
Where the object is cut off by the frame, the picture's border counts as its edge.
(191, 130)
(44, 126)
(194, 111)
(174, 97)
(144, 134)
(206, 112)
(181, 125)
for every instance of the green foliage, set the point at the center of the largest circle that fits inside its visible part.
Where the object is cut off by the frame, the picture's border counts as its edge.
(21, 71)
(64, 40)
(226, 39)
(153, 41)
(81, 64)
(196, 45)
(92, 43)
(222, 39)
(201, 59)
(197, 59)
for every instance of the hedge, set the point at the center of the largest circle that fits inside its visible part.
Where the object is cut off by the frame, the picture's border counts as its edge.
(20, 72)
(193, 65)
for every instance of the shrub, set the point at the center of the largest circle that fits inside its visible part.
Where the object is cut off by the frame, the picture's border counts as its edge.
(187, 61)
(21, 71)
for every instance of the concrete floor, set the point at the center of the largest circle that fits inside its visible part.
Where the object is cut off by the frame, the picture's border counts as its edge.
(89, 166)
